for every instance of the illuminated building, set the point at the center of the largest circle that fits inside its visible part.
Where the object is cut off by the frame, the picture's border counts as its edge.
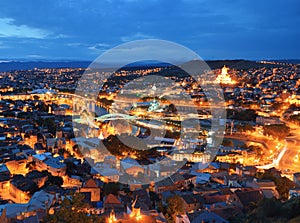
(224, 77)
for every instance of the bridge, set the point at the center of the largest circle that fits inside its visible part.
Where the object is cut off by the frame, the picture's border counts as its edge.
(109, 117)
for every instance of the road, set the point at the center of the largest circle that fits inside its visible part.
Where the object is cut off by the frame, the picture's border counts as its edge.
(289, 159)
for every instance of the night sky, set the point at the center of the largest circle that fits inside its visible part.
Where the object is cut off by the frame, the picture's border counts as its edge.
(215, 29)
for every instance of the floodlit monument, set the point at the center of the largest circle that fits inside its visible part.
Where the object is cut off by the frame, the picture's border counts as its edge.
(224, 77)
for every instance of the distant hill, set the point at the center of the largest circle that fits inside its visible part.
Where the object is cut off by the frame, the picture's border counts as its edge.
(148, 63)
(238, 64)
(213, 64)
(15, 65)
(292, 61)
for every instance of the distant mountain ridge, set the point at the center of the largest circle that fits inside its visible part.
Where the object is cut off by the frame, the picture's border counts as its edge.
(213, 64)
(28, 65)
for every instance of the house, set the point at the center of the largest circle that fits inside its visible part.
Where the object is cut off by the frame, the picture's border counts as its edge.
(246, 170)
(108, 174)
(54, 144)
(268, 187)
(229, 212)
(50, 144)
(189, 180)
(39, 148)
(201, 178)
(92, 186)
(38, 177)
(131, 167)
(260, 120)
(4, 178)
(54, 165)
(220, 177)
(111, 202)
(165, 185)
(78, 167)
(143, 199)
(175, 181)
(212, 167)
(233, 180)
(215, 200)
(73, 180)
(33, 211)
(248, 196)
(21, 188)
(17, 165)
(191, 202)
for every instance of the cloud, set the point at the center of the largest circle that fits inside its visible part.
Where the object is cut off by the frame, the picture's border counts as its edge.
(60, 36)
(99, 47)
(136, 36)
(9, 29)
(74, 44)
(34, 56)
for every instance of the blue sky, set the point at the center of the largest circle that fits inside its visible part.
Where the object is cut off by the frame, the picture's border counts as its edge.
(215, 29)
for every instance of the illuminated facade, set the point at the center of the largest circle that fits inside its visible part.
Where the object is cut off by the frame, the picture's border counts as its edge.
(224, 77)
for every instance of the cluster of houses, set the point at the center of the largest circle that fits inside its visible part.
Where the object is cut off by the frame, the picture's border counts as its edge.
(36, 174)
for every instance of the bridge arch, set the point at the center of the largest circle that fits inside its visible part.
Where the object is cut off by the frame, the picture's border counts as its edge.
(117, 116)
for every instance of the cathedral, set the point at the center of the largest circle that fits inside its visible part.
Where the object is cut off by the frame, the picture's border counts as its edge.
(224, 77)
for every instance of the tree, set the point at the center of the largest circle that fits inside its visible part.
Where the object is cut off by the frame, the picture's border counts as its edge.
(173, 208)
(245, 115)
(73, 211)
(227, 143)
(283, 184)
(54, 180)
(245, 128)
(295, 119)
(172, 108)
(50, 124)
(267, 210)
(279, 131)
(272, 210)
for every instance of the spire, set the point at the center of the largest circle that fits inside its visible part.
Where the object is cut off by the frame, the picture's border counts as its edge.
(134, 202)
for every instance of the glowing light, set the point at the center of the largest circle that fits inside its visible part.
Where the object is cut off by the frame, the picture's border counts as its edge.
(112, 217)
(224, 77)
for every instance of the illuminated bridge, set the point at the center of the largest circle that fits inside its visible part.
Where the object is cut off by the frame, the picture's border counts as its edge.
(109, 117)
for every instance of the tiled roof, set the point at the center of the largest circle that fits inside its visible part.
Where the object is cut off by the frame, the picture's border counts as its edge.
(90, 183)
(111, 199)
(176, 177)
(164, 183)
(246, 197)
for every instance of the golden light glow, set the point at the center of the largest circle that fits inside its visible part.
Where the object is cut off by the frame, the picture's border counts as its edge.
(224, 77)
(112, 217)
